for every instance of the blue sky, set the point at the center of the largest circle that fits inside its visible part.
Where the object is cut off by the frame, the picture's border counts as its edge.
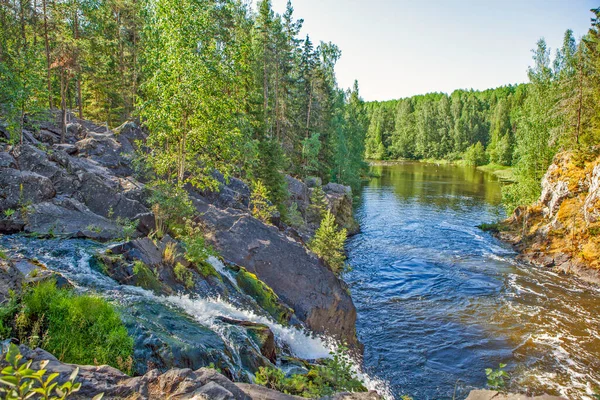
(399, 48)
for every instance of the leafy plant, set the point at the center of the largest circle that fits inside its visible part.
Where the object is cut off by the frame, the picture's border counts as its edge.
(171, 206)
(335, 375)
(261, 207)
(3, 255)
(128, 227)
(9, 212)
(328, 244)
(20, 381)
(184, 275)
(496, 378)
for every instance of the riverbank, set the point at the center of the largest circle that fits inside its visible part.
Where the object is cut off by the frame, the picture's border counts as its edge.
(502, 172)
(561, 231)
(197, 278)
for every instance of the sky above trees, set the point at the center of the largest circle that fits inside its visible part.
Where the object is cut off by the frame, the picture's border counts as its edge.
(399, 48)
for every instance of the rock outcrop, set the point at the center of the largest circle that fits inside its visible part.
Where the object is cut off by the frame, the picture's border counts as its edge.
(562, 230)
(494, 395)
(180, 383)
(298, 277)
(78, 189)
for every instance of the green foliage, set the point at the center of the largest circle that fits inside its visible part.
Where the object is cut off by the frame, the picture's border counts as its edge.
(318, 203)
(128, 227)
(20, 381)
(3, 255)
(311, 146)
(475, 155)
(293, 217)
(171, 206)
(496, 378)
(79, 329)
(145, 277)
(260, 205)
(184, 275)
(9, 212)
(264, 296)
(321, 380)
(328, 244)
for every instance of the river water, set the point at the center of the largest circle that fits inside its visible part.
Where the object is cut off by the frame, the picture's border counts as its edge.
(439, 301)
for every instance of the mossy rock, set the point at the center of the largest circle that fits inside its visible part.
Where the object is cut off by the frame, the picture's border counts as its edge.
(264, 296)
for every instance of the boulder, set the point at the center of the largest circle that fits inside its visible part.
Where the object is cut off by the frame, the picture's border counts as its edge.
(233, 193)
(492, 394)
(11, 279)
(7, 161)
(339, 199)
(67, 217)
(298, 193)
(297, 276)
(20, 188)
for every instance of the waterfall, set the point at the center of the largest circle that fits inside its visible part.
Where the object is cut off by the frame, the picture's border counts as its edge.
(71, 258)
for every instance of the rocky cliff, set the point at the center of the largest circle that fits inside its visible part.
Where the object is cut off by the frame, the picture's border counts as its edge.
(87, 189)
(562, 230)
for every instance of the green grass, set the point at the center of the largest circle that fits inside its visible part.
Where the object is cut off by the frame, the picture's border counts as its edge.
(145, 277)
(79, 329)
(504, 173)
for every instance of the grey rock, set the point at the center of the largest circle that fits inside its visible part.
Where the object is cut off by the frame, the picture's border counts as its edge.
(313, 181)
(303, 282)
(492, 394)
(19, 188)
(68, 217)
(11, 279)
(7, 161)
(256, 392)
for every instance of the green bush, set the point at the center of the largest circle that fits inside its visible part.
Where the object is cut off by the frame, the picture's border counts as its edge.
(476, 155)
(79, 329)
(171, 206)
(321, 380)
(197, 251)
(261, 207)
(184, 275)
(293, 217)
(328, 243)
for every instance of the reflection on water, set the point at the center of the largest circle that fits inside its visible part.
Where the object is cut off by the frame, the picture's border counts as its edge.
(439, 300)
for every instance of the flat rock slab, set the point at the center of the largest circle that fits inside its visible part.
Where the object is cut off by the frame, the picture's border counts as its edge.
(492, 394)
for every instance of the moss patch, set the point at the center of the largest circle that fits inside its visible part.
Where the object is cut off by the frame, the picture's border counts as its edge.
(145, 277)
(264, 296)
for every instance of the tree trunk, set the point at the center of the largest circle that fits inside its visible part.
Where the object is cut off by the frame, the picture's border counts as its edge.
(63, 105)
(47, 48)
(78, 82)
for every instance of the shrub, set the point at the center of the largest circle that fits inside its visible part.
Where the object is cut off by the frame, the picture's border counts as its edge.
(293, 217)
(476, 155)
(3, 255)
(20, 381)
(79, 329)
(184, 275)
(171, 206)
(145, 277)
(9, 212)
(196, 249)
(321, 380)
(318, 203)
(328, 244)
(262, 208)
(170, 253)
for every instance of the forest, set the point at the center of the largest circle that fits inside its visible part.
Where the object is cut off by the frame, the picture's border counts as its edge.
(522, 125)
(217, 84)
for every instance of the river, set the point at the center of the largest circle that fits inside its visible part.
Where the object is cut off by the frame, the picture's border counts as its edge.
(439, 301)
